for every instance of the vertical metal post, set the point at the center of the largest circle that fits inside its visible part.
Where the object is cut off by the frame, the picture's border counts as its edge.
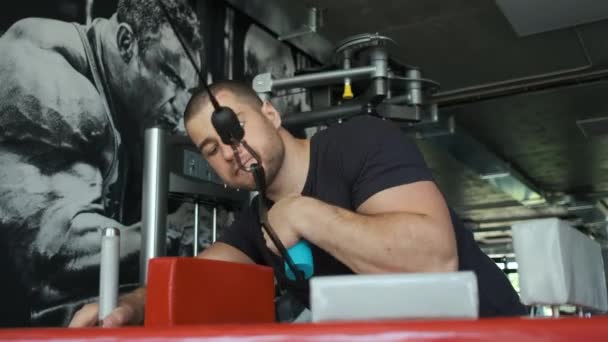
(214, 229)
(533, 311)
(379, 59)
(154, 198)
(108, 272)
(555, 311)
(196, 223)
(414, 87)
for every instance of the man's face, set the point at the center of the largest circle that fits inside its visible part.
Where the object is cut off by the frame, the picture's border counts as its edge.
(158, 82)
(261, 133)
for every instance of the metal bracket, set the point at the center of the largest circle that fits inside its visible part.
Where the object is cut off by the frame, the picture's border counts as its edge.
(262, 84)
(311, 27)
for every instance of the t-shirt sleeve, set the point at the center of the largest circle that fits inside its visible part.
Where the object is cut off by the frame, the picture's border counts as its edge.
(242, 234)
(381, 156)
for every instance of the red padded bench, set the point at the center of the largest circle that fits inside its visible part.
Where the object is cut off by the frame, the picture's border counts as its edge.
(195, 291)
(191, 299)
(491, 330)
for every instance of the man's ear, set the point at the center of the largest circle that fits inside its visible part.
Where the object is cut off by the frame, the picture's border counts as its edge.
(271, 114)
(125, 40)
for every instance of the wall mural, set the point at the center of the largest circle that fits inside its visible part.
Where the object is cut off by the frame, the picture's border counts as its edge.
(78, 85)
(263, 53)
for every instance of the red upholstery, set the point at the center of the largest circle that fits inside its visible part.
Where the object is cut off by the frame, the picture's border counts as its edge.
(188, 291)
(194, 291)
(492, 330)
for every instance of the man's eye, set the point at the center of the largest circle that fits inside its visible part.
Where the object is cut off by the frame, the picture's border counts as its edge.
(176, 80)
(173, 76)
(210, 151)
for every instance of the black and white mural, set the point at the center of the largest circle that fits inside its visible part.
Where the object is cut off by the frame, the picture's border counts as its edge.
(263, 53)
(79, 82)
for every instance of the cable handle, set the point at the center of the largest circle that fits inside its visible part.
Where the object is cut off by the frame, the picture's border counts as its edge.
(298, 259)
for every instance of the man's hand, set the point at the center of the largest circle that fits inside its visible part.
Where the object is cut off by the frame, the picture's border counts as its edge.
(129, 311)
(284, 217)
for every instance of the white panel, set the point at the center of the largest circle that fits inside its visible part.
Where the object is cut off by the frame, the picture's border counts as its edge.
(394, 296)
(558, 265)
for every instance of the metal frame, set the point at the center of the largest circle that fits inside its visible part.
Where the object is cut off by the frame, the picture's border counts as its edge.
(154, 198)
(380, 70)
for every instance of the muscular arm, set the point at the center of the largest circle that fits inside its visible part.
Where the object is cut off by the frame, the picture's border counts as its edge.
(401, 229)
(225, 252)
(396, 221)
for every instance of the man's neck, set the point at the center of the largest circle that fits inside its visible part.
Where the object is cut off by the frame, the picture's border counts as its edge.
(292, 175)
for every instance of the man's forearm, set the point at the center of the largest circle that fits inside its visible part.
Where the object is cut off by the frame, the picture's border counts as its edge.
(391, 242)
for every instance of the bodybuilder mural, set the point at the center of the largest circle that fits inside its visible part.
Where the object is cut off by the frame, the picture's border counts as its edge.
(74, 101)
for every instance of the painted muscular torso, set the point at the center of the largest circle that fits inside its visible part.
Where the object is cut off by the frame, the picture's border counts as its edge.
(56, 150)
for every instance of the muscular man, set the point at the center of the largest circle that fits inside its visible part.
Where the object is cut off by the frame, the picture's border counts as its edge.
(359, 192)
(73, 105)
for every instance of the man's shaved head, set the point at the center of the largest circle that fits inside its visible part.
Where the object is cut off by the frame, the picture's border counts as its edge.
(200, 98)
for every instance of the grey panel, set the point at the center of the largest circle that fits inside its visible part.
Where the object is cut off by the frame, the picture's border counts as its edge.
(594, 127)
(530, 17)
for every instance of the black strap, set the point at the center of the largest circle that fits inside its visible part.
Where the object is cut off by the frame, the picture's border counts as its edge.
(261, 245)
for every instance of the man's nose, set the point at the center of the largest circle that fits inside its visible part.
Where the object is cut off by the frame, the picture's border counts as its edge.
(227, 152)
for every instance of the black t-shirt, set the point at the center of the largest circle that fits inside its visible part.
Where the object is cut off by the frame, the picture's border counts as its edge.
(351, 162)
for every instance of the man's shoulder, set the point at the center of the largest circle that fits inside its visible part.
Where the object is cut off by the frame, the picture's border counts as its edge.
(42, 32)
(34, 42)
(41, 91)
(41, 66)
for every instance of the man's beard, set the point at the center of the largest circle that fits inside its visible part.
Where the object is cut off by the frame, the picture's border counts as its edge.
(275, 164)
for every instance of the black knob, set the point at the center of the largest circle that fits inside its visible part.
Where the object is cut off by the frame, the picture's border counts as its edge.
(227, 125)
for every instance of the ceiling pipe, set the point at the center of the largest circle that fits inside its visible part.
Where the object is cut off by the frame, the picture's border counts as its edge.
(521, 83)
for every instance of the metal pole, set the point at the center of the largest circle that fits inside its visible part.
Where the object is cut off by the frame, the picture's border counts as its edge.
(154, 199)
(108, 271)
(323, 78)
(214, 231)
(263, 83)
(555, 311)
(196, 206)
(533, 311)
